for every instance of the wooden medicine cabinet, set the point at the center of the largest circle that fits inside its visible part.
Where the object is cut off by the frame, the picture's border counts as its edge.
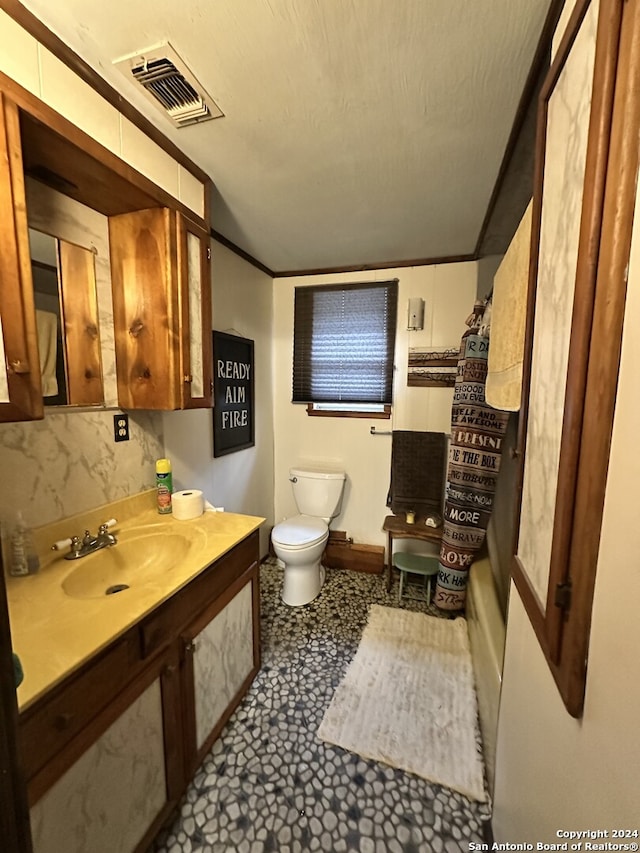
(163, 344)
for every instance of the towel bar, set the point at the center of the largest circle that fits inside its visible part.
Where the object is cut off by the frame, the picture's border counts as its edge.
(374, 431)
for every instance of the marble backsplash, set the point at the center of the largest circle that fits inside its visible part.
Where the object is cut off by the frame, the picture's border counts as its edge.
(69, 463)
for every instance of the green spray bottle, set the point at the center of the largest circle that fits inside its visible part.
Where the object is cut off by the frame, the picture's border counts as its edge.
(164, 485)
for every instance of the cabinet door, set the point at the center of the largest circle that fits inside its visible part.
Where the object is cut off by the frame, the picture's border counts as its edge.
(222, 654)
(195, 286)
(146, 309)
(110, 797)
(161, 310)
(20, 383)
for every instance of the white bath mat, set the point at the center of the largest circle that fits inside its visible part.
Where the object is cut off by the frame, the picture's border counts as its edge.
(408, 700)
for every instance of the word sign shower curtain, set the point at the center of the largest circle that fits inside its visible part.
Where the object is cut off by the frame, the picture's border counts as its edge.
(477, 434)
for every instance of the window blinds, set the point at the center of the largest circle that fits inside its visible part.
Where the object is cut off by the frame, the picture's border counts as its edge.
(344, 340)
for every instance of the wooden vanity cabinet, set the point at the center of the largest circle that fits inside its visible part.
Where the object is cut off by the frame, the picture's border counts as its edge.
(220, 648)
(161, 309)
(21, 397)
(142, 714)
(117, 790)
(208, 621)
(55, 724)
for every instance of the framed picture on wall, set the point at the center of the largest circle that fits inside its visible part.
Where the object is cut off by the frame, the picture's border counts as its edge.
(233, 394)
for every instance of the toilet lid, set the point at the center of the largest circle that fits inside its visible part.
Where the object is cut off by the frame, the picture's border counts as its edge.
(299, 531)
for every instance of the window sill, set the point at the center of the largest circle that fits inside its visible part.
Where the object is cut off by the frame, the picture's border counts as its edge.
(341, 413)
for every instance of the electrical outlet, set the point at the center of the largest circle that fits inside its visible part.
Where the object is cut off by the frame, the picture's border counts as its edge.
(121, 427)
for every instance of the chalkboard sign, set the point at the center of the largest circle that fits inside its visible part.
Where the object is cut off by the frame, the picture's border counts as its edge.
(233, 422)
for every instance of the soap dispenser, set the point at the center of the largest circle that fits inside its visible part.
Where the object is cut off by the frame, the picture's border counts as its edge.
(23, 556)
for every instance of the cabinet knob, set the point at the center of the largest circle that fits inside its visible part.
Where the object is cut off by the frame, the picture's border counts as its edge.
(136, 327)
(18, 366)
(188, 378)
(63, 721)
(191, 647)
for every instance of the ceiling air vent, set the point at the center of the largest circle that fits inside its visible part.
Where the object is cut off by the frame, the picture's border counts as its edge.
(169, 84)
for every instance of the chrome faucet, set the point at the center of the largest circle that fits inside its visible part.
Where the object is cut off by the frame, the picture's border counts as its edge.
(88, 544)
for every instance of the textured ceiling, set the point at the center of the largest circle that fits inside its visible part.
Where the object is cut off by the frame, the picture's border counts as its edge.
(355, 131)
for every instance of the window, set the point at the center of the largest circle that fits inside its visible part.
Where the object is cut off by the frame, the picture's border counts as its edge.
(344, 340)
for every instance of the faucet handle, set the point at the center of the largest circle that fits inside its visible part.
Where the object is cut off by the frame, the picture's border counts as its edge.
(102, 530)
(104, 536)
(73, 543)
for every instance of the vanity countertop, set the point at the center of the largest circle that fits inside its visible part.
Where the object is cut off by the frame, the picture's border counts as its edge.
(55, 632)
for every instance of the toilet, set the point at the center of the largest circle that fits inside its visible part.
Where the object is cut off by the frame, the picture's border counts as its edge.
(299, 542)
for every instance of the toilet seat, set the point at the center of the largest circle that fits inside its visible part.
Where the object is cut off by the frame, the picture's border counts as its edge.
(300, 531)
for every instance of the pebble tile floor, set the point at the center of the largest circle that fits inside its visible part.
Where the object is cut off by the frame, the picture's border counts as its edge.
(269, 784)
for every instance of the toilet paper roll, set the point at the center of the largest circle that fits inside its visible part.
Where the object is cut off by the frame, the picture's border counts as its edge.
(187, 504)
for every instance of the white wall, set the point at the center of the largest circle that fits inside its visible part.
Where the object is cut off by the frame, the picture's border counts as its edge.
(553, 771)
(449, 292)
(243, 481)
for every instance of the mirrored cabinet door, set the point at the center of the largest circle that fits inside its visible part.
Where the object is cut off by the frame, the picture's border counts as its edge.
(69, 249)
(46, 294)
(64, 285)
(194, 264)
(80, 324)
(4, 378)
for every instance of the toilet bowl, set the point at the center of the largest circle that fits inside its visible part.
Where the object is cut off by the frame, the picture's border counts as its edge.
(299, 541)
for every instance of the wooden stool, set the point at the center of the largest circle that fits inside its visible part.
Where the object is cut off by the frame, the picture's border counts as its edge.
(415, 564)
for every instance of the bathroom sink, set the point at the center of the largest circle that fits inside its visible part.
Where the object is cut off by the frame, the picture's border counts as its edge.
(138, 558)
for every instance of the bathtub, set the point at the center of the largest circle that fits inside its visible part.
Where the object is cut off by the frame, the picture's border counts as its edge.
(487, 633)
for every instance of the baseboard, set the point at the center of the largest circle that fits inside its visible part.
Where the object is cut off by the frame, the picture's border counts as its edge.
(487, 834)
(342, 554)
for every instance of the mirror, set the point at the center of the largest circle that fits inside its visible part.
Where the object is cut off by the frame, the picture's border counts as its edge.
(44, 270)
(64, 287)
(4, 379)
(72, 239)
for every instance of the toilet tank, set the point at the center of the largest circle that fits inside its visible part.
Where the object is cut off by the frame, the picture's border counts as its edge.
(318, 491)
